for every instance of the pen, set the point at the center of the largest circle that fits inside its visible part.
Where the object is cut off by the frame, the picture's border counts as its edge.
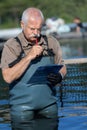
(36, 41)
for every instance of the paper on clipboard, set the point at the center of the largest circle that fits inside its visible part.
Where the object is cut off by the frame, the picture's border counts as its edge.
(42, 72)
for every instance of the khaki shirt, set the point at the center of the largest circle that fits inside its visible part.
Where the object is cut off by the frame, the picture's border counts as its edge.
(12, 49)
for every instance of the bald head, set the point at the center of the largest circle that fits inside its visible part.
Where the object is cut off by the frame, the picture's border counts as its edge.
(32, 14)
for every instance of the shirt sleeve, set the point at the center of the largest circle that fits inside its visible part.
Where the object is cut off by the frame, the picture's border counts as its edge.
(54, 44)
(8, 53)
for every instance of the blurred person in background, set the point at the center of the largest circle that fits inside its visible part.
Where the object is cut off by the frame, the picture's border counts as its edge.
(56, 26)
(79, 25)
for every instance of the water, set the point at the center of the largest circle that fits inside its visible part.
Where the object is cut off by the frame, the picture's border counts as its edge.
(72, 95)
(4, 107)
(74, 48)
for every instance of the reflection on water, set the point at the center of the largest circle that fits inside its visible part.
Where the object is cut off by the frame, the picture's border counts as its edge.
(71, 95)
(4, 108)
(73, 91)
(73, 48)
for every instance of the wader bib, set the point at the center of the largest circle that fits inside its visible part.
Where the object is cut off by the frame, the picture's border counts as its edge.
(35, 94)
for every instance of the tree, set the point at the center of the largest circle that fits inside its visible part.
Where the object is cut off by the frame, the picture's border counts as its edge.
(11, 10)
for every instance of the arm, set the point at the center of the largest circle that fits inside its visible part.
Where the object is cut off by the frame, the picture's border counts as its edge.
(57, 78)
(13, 73)
(63, 71)
(55, 45)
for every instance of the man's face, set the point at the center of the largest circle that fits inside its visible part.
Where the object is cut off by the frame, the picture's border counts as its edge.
(32, 29)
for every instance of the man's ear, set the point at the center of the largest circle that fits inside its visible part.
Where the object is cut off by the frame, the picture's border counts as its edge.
(22, 25)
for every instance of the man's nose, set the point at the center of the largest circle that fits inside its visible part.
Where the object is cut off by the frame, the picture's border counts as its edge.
(36, 31)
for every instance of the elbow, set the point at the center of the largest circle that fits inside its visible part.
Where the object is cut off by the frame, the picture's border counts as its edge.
(7, 79)
(6, 76)
(63, 70)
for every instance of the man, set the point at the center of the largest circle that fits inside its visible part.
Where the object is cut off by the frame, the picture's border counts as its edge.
(79, 25)
(21, 57)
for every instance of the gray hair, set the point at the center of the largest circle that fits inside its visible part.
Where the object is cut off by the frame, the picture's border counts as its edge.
(30, 12)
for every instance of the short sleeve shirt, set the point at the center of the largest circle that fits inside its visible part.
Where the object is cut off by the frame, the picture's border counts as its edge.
(12, 49)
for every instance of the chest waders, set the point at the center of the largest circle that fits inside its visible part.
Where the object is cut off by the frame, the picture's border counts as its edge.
(28, 96)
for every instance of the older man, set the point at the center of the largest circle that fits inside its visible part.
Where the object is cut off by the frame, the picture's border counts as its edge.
(21, 57)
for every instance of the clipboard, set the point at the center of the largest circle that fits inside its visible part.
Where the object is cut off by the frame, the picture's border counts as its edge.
(42, 72)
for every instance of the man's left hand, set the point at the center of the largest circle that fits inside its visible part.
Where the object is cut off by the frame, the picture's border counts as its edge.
(54, 78)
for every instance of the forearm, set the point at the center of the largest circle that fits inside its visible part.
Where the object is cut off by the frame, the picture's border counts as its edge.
(63, 71)
(13, 73)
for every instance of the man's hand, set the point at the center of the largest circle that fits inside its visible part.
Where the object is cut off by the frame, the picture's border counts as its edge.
(35, 51)
(54, 78)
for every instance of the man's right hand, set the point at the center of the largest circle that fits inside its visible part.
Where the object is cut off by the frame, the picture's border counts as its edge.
(35, 51)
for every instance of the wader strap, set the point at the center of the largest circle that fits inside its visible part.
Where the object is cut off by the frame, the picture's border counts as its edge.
(45, 38)
(50, 51)
(22, 54)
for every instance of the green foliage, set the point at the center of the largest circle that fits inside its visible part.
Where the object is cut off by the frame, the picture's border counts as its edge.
(11, 10)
